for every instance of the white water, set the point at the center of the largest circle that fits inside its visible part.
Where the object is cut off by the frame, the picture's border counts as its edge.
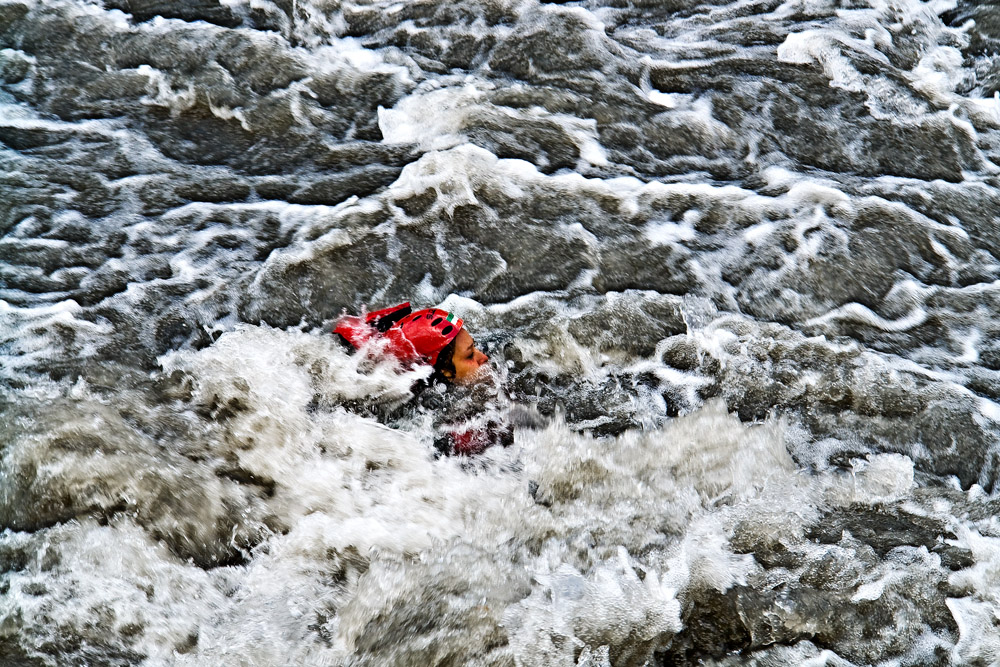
(734, 263)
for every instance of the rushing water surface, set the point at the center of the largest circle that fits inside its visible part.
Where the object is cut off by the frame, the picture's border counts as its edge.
(735, 262)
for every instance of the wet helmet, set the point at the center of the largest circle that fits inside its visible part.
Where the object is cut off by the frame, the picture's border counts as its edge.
(355, 331)
(428, 331)
(411, 336)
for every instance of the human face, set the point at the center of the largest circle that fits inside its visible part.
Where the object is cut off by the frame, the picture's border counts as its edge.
(468, 359)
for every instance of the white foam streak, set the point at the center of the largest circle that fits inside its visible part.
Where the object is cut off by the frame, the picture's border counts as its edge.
(667, 232)
(855, 312)
(433, 120)
(439, 119)
(162, 94)
(823, 47)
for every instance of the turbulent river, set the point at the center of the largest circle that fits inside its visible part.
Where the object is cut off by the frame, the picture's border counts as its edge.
(736, 260)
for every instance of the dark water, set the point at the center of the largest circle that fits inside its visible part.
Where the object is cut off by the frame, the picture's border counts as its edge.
(739, 258)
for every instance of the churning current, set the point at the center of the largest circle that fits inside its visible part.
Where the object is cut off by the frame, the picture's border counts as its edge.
(734, 262)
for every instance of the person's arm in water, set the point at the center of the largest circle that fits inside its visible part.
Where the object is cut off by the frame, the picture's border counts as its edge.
(474, 439)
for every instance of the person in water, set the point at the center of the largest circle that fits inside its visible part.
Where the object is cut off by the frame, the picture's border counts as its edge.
(431, 336)
(437, 338)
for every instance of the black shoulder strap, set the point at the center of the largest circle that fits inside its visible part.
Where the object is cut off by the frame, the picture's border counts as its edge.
(385, 319)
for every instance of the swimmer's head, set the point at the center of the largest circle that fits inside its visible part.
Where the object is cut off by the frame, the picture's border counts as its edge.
(461, 361)
(439, 337)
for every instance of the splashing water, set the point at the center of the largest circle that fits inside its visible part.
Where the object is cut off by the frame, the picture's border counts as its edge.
(734, 264)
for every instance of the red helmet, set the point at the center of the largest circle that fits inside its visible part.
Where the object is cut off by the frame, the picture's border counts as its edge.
(356, 331)
(412, 336)
(428, 331)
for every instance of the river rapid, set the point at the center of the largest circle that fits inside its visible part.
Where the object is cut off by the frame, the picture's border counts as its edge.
(735, 260)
